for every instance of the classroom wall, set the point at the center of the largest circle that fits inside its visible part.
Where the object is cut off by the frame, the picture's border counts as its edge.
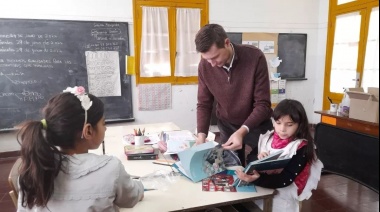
(278, 16)
(292, 16)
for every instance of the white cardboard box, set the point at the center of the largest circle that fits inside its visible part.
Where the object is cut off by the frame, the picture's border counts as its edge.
(364, 106)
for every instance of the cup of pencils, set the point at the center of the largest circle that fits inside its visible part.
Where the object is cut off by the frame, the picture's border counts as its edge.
(139, 137)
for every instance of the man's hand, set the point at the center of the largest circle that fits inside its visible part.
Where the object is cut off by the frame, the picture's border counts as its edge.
(201, 138)
(235, 141)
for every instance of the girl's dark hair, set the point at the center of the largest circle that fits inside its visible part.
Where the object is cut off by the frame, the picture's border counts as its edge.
(297, 113)
(41, 159)
(208, 35)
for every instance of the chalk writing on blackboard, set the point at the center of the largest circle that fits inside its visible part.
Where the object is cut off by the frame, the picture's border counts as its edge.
(40, 58)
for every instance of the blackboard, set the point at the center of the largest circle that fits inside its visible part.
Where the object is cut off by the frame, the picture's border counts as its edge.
(292, 52)
(235, 37)
(40, 58)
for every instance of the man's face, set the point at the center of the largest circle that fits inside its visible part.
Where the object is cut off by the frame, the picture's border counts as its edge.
(217, 56)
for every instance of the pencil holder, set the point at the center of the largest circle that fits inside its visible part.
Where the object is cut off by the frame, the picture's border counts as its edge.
(139, 140)
(333, 108)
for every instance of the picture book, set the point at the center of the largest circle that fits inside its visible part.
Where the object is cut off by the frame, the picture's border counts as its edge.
(144, 156)
(132, 149)
(201, 161)
(269, 162)
(224, 182)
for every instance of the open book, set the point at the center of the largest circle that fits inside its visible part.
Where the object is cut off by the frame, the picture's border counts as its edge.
(201, 161)
(269, 162)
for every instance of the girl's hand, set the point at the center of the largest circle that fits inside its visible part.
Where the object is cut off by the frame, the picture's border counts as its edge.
(262, 155)
(162, 146)
(247, 177)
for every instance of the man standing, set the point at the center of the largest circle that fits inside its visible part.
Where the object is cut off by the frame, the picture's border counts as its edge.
(236, 77)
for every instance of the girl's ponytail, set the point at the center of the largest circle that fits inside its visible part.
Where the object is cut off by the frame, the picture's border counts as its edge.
(41, 163)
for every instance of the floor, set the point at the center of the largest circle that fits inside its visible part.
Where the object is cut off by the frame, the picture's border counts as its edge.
(334, 193)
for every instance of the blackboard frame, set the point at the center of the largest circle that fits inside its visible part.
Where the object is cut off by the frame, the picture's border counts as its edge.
(119, 109)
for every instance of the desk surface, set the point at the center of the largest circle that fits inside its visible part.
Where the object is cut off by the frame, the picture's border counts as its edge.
(182, 194)
(345, 122)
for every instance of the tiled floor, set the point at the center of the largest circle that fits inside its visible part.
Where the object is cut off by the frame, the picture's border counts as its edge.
(334, 193)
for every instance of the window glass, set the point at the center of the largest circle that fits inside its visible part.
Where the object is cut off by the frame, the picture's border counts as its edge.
(371, 61)
(345, 52)
(344, 1)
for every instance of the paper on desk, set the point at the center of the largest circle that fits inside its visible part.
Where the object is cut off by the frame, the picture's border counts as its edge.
(179, 140)
(153, 138)
(174, 147)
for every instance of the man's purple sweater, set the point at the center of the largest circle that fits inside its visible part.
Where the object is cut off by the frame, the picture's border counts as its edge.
(242, 94)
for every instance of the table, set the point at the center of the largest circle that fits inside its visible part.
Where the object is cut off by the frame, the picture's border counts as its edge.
(183, 195)
(345, 122)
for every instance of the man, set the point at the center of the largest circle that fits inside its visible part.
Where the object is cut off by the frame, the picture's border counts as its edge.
(236, 77)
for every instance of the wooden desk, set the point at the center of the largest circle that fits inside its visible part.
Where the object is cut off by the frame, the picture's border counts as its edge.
(183, 195)
(344, 122)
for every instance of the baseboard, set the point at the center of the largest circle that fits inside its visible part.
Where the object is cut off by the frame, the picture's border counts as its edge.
(9, 154)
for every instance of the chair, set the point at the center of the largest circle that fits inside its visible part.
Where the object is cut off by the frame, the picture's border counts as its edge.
(12, 180)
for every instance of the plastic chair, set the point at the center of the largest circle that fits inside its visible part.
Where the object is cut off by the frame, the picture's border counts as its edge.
(12, 180)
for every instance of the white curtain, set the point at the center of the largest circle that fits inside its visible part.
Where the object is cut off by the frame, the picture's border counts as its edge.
(187, 58)
(155, 54)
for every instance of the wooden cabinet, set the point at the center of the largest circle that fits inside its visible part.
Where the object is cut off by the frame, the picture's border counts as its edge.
(344, 122)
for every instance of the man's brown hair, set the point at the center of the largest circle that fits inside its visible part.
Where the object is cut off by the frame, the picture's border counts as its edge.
(208, 35)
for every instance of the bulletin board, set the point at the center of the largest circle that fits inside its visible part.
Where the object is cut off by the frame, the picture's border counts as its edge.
(289, 47)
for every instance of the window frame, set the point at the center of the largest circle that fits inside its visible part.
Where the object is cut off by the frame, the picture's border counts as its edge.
(172, 5)
(364, 7)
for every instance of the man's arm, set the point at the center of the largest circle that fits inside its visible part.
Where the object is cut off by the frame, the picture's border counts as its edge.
(204, 107)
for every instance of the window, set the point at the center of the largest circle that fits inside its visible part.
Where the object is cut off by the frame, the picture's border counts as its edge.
(352, 53)
(164, 40)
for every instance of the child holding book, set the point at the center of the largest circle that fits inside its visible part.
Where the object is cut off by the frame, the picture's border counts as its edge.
(292, 135)
(58, 173)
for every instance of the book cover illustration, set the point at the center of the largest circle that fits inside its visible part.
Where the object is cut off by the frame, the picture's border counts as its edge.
(201, 161)
(219, 182)
(224, 182)
(213, 161)
(132, 149)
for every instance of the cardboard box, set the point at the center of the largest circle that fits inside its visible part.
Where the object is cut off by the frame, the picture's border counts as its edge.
(364, 106)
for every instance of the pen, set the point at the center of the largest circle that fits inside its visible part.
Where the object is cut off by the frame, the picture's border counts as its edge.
(330, 100)
(164, 164)
(149, 189)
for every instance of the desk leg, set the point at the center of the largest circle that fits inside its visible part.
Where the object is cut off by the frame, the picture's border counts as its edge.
(268, 204)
